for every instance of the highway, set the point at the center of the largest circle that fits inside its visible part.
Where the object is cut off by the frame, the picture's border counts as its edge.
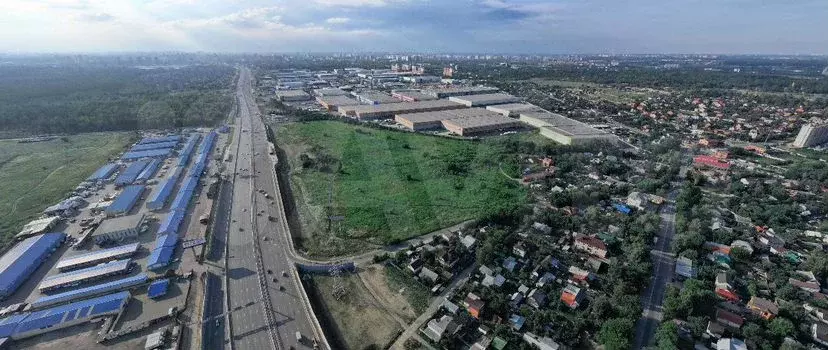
(663, 269)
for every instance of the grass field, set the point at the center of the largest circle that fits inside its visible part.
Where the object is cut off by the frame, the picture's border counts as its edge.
(359, 319)
(387, 186)
(36, 175)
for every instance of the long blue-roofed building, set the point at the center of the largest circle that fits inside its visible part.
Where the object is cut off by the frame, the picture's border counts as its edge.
(104, 172)
(151, 146)
(158, 288)
(149, 171)
(128, 176)
(125, 201)
(171, 138)
(162, 193)
(187, 151)
(34, 323)
(96, 257)
(171, 223)
(23, 259)
(160, 258)
(91, 291)
(153, 153)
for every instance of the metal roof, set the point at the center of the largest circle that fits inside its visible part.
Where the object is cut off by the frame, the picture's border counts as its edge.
(126, 200)
(484, 99)
(103, 172)
(24, 258)
(160, 139)
(150, 146)
(171, 222)
(165, 152)
(185, 193)
(132, 171)
(167, 240)
(97, 289)
(162, 194)
(8, 324)
(38, 226)
(158, 288)
(187, 151)
(98, 256)
(52, 318)
(160, 258)
(149, 171)
(83, 275)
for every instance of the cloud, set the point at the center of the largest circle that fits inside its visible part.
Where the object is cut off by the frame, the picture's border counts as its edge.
(337, 20)
(95, 17)
(356, 3)
(246, 19)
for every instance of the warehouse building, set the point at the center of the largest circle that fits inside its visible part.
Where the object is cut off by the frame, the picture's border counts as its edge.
(172, 138)
(158, 288)
(151, 146)
(35, 323)
(461, 91)
(125, 201)
(103, 173)
(434, 120)
(484, 99)
(564, 130)
(91, 291)
(385, 111)
(292, 95)
(65, 207)
(374, 98)
(97, 257)
(154, 153)
(162, 193)
(131, 173)
(89, 274)
(329, 92)
(411, 95)
(118, 229)
(24, 258)
(419, 79)
(480, 125)
(513, 109)
(187, 151)
(149, 171)
(36, 227)
(332, 103)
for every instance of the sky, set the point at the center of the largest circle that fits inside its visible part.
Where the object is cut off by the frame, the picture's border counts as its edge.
(427, 26)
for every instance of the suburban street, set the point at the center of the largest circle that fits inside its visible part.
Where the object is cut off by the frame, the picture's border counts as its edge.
(663, 266)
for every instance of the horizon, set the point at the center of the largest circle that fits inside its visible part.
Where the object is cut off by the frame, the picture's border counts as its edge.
(513, 27)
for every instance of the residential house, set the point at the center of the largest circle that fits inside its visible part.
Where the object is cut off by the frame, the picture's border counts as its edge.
(731, 344)
(447, 259)
(542, 343)
(542, 228)
(452, 308)
(499, 343)
(685, 268)
(437, 328)
(810, 286)
(510, 264)
(481, 344)
(714, 329)
(516, 300)
(742, 245)
(818, 312)
(427, 275)
(496, 281)
(474, 305)
(729, 319)
(819, 332)
(519, 249)
(536, 298)
(543, 280)
(572, 296)
(591, 245)
(468, 241)
(415, 265)
(725, 287)
(581, 275)
(638, 200)
(517, 321)
(763, 307)
(485, 270)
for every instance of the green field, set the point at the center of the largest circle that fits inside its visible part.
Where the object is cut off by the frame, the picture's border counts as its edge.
(36, 175)
(388, 186)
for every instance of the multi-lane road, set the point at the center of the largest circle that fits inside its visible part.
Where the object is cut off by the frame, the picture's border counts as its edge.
(263, 308)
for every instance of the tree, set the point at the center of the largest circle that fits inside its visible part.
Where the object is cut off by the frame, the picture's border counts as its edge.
(616, 333)
(667, 336)
(818, 263)
(781, 327)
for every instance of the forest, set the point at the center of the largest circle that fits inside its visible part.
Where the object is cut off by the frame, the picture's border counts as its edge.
(68, 99)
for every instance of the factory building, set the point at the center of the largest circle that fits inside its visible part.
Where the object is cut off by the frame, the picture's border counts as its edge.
(423, 120)
(385, 111)
(461, 91)
(27, 325)
(332, 103)
(411, 95)
(118, 229)
(103, 173)
(513, 109)
(150, 146)
(467, 126)
(564, 130)
(484, 99)
(329, 92)
(374, 98)
(36, 227)
(125, 201)
(91, 291)
(96, 257)
(812, 134)
(24, 258)
(128, 176)
(78, 277)
(419, 79)
(153, 153)
(292, 95)
(170, 138)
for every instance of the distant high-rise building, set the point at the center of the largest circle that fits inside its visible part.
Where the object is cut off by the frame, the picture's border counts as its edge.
(448, 72)
(812, 134)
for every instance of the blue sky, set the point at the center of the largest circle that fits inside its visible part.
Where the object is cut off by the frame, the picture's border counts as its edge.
(486, 26)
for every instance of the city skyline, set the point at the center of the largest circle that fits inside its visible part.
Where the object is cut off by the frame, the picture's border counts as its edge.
(417, 26)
